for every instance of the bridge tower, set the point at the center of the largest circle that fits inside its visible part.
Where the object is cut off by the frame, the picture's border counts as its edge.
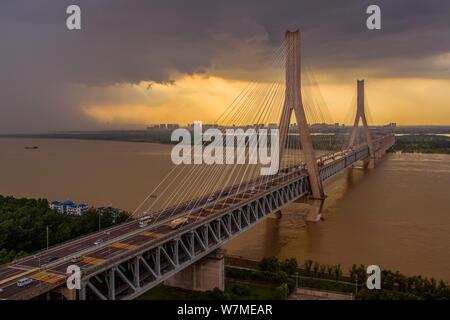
(293, 103)
(361, 114)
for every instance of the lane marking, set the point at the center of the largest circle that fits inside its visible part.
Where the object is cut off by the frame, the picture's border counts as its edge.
(47, 277)
(196, 217)
(24, 268)
(121, 245)
(92, 260)
(18, 275)
(151, 234)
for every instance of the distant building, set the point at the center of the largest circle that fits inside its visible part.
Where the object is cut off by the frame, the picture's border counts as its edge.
(159, 126)
(69, 207)
(57, 205)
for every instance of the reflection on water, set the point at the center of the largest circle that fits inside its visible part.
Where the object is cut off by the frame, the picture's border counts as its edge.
(396, 216)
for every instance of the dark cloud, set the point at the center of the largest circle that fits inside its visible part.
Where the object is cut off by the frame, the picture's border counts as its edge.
(45, 67)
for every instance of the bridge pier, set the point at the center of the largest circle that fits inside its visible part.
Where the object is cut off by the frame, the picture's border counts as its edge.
(68, 294)
(369, 162)
(278, 214)
(204, 275)
(315, 211)
(315, 208)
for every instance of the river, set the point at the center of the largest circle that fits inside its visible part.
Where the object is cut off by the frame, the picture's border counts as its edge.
(396, 216)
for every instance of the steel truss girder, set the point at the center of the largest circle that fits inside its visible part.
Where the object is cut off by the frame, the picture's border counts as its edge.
(153, 265)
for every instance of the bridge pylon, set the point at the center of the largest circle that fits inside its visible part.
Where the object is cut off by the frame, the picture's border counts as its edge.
(293, 103)
(361, 114)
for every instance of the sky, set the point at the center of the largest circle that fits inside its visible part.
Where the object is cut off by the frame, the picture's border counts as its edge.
(140, 62)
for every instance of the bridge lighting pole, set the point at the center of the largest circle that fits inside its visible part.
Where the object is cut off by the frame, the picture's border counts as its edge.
(46, 229)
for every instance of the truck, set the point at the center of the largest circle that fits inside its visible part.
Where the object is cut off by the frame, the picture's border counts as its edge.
(177, 222)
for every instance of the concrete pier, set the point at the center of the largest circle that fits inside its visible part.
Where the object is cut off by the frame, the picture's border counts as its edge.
(206, 274)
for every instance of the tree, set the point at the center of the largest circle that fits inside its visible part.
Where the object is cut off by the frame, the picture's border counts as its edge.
(269, 264)
(316, 267)
(23, 224)
(289, 265)
(308, 265)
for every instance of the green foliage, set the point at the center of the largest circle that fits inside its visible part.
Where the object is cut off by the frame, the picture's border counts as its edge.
(397, 286)
(421, 143)
(330, 277)
(282, 291)
(23, 225)
(241, 290)
(269, 264)
(7, 256)
(289, 265)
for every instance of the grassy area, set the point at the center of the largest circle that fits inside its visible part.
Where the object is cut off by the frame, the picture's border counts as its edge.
(233, 290)
(417, 143)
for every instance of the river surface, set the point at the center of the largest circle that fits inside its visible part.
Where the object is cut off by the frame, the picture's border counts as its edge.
(396, 216)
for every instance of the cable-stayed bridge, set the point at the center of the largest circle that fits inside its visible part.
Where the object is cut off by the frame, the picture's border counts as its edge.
(199, 208)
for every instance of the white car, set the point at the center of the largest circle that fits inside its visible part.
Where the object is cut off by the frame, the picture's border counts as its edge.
(142, 224)
(24, 282)
(98, 241)
(76, 259)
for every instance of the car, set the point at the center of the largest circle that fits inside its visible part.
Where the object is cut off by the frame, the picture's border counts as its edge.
(76, 259)
(1, 290)
(50, 259)
(24, 282)
(98, 241)
(211, 198)
(142, 224)
(252, 190)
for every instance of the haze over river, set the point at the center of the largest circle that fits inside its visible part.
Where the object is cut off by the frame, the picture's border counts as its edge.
(396, 216)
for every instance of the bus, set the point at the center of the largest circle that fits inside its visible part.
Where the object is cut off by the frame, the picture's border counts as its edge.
(146, 219)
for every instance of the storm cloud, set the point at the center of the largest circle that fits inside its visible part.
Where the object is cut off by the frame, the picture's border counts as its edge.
(48, 72)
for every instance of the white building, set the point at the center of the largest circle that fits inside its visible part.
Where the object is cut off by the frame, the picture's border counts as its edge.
(69, 207)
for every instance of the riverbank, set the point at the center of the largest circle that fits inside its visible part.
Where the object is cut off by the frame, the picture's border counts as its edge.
(410, 142)
(422, 143)
(273, 279)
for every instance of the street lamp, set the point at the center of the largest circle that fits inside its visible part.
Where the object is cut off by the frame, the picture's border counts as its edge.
(109, 247)
(39, 265)
(46, 228)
